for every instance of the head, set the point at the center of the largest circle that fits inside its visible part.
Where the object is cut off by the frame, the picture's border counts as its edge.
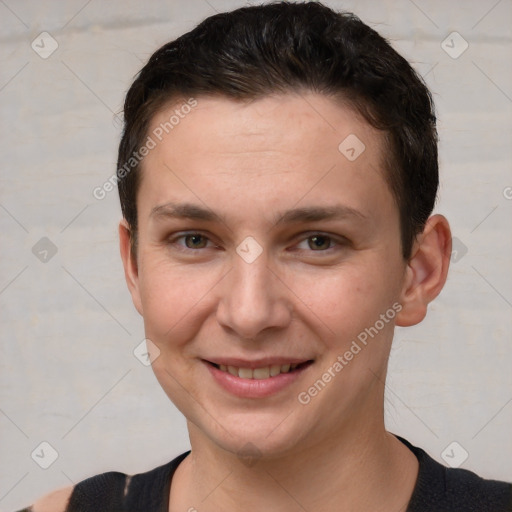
(254, 52)
(259, 126)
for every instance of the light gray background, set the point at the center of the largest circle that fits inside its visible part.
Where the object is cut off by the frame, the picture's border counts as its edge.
(68, 327)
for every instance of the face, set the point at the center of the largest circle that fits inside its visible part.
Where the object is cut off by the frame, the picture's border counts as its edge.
(262, 244)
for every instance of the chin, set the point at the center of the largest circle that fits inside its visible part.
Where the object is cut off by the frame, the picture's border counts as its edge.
(253, 436)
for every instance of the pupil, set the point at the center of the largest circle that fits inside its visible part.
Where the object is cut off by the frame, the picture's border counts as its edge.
(194, 240)
(317, 241)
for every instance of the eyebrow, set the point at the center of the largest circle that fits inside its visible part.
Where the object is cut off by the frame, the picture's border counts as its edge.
(306, 214)
(184, 211)
(319, 213)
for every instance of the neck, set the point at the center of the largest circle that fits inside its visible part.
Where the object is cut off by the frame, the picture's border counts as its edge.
(357, 470)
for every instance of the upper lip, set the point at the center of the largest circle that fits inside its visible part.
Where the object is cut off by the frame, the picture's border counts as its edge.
(256, 363)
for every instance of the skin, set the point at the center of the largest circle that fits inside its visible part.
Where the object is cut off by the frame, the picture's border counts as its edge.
(249, 163)
(254, 162)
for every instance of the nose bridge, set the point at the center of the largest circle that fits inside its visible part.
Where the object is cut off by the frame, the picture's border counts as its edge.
(251, 281)
(251, 299)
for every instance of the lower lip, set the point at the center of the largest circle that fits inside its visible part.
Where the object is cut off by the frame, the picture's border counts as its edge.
(255, 388)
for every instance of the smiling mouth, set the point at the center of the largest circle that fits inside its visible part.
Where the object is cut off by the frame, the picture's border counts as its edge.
(263, 372)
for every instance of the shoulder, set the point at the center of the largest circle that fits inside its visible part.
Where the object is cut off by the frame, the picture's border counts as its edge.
(114, 491)
(56, 501)
(107, 489)
(468, 487)
(455, 489)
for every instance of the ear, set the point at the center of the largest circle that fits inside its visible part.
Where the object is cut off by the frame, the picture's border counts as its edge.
(426, 271)
(131, 271)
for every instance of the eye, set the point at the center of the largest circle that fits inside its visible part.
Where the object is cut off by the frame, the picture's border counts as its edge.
(319, 242)
(192, 241)
(196, 241)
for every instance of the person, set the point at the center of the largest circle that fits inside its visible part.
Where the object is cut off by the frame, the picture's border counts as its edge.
(277, 174)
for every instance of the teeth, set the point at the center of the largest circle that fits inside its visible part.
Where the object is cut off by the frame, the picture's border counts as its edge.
(259, 373)
(275, 369)
(245, 373)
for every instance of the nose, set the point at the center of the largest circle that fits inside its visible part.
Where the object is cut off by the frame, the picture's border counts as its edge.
(253, 299)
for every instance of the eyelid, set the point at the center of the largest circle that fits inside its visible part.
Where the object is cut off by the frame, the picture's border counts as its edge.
(338, 240)
(181, 235)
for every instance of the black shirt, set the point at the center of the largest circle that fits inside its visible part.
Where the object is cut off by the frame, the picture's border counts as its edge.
(437, 489)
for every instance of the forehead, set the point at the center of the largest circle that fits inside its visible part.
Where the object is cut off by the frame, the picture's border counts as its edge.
(279, 121)
(284, 145)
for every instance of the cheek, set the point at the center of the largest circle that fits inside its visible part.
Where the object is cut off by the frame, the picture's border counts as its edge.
(347, 302)
(174, 300)
(172, 297)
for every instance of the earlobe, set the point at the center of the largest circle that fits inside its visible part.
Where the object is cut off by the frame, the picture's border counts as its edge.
(426, 271)
(131, 271)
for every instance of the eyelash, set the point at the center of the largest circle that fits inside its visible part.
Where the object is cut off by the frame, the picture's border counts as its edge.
(338, 242)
